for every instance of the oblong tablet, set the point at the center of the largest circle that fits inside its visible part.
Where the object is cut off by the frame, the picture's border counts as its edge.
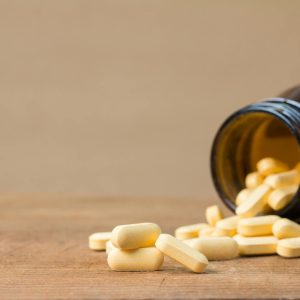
(207, 231)
(142, 259)
(269, 165)
(190, 231)
(258, 199)
(109, 246)
(256, 226)
(285, 228)
(219, 233)
(256, 245)
(283, 179)
(242, 196)
(289, 247)
(133, 236)
(227, 226)
(97, 241)
(215, 248)
(182, 253)
(281, 197)
(213, 214)
(253, 180)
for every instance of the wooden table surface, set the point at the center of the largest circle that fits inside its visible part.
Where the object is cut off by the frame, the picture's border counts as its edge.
(44, 254)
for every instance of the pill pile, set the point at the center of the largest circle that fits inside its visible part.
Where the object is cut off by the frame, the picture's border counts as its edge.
(254, 230)
(270, 188)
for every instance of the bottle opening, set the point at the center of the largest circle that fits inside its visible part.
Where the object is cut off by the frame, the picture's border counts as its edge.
(241, 142)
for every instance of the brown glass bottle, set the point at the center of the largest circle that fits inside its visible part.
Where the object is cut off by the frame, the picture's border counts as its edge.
(269, 128)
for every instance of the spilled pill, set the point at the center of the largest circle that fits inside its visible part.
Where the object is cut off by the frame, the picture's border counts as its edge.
(268, 165)
(256, 226)
(207, 231)
(285, 228)
(134, 236)
(182, 253)
(219, 233)
(289, 247)
(109, 246)
(258, 199)
(253, 180)
(213, 215)
(242, 196)
(97, 241)
(190, 231)
(280, 198)
(283, 179)
(142, 259)
(215, 248)
(256, 245)
(227, 226)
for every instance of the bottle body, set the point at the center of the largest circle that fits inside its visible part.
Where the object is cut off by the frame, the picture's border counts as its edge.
(270, 128)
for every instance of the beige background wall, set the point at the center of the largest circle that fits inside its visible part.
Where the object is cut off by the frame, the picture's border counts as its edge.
(124, 97)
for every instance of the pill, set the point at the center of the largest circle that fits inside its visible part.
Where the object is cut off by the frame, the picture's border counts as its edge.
(283, 179)
(285, 228)
(213, 215)
(182, 253)
(215, 248)
(253, 180)
(97, 241)
(268, 165)
(242, 196)
(190, 231)
(110, 246)
(256, 245)
(133, 236)
(289, 247)
(256, 226)
(142, 259)
(207, 231)
(280, 198)
(255, 204)
(219, 233)
(227, 226)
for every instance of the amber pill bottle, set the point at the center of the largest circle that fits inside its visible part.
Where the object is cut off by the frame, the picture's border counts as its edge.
(268, 128)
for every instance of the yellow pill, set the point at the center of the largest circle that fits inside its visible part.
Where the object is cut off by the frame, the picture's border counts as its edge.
(281, 197)
(227, 226)
(268, 166)
(253, 180)
(283, 179)
(215, 248)
(133, 236)
(256, 202)
(256, 245)
(285, 228)
(182, 253)
(256, 226)
(289, 247)
(190, 231)
(142, 259)
(220, 233)
(207, 231)
(242, 196)
(213, 215)
(110, 246)
(97, 241)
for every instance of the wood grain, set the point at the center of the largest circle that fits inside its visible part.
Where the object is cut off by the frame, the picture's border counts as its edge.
(44, 254)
